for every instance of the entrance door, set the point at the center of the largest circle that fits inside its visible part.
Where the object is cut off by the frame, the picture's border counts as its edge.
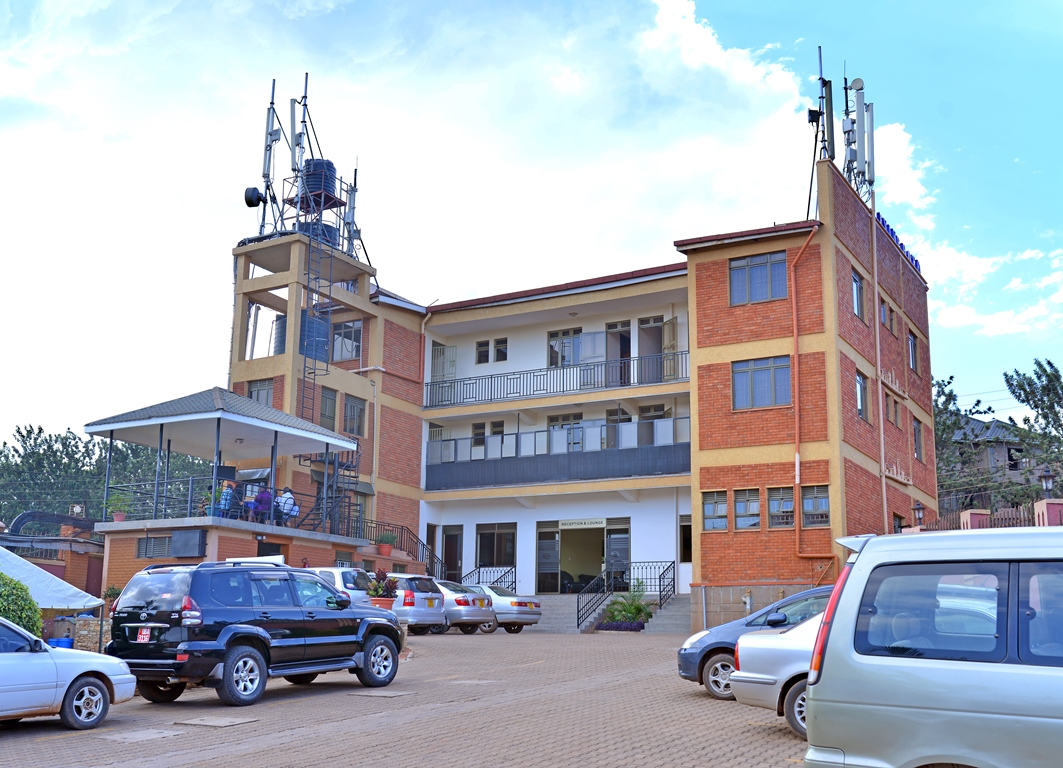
(548, 562)
(618, 557)
(452, 546)
(618, 353)
(651, 344)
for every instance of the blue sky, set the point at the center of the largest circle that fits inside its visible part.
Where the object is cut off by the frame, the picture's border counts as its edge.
(501, 145)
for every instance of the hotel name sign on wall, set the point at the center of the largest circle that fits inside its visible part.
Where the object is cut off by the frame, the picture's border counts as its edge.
(588, 522)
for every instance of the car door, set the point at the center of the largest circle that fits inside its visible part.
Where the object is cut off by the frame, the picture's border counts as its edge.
(275, 611)
(330, 631)
(28, 680)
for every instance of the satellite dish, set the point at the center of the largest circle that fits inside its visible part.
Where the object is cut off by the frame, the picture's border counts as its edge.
(857, 84)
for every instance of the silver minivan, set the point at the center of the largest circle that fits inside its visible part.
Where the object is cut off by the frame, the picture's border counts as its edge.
(942, 648)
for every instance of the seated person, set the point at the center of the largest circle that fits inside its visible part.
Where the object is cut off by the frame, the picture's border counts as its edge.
(225, 501)
(262, 505)
(287, 507)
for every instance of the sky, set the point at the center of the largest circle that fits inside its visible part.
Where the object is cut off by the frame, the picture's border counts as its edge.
(500, 146)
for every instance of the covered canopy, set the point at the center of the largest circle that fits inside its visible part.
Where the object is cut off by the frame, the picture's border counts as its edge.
(240, 427)
(48, 591)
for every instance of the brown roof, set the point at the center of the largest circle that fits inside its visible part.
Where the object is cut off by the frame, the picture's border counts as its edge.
(746, 234)
(532, 293)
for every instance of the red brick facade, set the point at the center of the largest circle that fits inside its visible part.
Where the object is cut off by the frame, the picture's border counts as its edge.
(852, 220)
(400, 451)
(402, 361)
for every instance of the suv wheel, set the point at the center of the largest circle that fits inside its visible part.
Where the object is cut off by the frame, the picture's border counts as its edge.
(717, 676)
(243, 677)
(380, 662)
(160, 693)
(85, 704)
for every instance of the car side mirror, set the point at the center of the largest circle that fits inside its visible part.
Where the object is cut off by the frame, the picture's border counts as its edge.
(338, 601)
(776, 619)
(37, 645)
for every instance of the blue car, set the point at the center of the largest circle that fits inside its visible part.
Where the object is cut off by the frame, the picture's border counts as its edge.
(708, 657)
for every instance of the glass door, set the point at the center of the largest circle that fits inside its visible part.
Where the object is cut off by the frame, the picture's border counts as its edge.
(548, 562)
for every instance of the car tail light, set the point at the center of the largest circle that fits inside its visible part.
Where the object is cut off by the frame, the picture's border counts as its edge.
(191, 616)
(824, 628)
(489, 602)
(182, 657)
(346, 594)
(408, 599)
(461, 600)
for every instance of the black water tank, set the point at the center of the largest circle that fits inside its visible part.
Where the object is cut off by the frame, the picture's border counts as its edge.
(319, 176)
(324, 232)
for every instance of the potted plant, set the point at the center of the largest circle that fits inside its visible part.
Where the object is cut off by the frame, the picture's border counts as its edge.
(118, 506)
(382, 589)
(385, 541)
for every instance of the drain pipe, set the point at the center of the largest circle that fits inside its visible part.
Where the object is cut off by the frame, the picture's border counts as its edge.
(797, 413)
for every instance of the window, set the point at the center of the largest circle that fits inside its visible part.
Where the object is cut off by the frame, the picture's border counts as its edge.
(651, 412)
(353, 415)
(479, 432)
(496, 545)
(1015, 462)
(780, 507)
(562, 420)
(862, 409)
(347, 341)
(562, 347)
(887, 407)
(953, 611)
(885, 312)
(917, 438)
(761, 383)
(261, 391)
(154, 546)
(483, 352)
(1041, 588)
(858, 294)
(815, 506)
(328, 408)
(617, 416)
(714, 506)
(747, 509)
(795, 612)
(913, 352)
(758, 278)
(898, 524)
(231, 589)
(501, 350)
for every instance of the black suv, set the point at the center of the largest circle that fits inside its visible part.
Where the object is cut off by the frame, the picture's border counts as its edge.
(232, 625)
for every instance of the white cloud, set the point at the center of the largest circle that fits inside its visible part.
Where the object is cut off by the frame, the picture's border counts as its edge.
(1016, 284)
(1037, 317)
(899, 177)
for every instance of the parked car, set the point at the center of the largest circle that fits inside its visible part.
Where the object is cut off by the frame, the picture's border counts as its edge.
(771, 670)
(38, 680)
(942, 648)
(419, 600)
(707, 657)
(465, 608)
(353, 582)
(513, 611)
(231, 625)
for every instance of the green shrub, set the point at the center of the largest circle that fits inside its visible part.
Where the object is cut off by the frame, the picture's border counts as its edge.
(17, 605)
(387, 537)
(629, 607)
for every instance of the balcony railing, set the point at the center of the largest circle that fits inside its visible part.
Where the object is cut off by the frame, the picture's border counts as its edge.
(607, 374)
(582, 452)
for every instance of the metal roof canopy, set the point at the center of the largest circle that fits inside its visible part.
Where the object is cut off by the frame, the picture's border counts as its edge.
(240, 427)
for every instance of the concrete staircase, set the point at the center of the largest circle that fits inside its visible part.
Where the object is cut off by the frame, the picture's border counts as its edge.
(673, 619)
(559, 616)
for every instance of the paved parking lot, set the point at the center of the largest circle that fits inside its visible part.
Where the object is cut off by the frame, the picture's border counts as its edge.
(532, 699)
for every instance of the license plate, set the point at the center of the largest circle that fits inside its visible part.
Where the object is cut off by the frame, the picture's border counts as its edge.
(144, 635)
(480, 603)
(431, 602)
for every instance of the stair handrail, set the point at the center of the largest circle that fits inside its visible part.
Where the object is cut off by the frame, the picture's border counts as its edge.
(492, 576)
(592, 597)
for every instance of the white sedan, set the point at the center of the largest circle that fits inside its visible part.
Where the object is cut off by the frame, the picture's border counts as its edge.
(771, 670)
(513, 611)
(37, 680)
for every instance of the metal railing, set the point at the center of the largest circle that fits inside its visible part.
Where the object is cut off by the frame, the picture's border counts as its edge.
(492, 575)
(606, 374)
(1006, 517)
(657, 577)
(406, 540)
(579, 438)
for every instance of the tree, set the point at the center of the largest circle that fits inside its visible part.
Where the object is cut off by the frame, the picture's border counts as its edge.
(18, 606)
(1042, 393)
(963, 481)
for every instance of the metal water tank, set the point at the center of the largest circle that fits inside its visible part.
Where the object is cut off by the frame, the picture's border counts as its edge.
(317, 229)
(313, 336)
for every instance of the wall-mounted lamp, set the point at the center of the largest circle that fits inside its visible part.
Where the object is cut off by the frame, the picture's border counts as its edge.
(260, 537)
(918, 509)
(1046, 477)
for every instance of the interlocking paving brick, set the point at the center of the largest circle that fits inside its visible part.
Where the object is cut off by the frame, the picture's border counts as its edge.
(216, 722)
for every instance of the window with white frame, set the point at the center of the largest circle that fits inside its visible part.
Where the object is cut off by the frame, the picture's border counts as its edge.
(261, 391)
(760, 383)
(714, 509)
(347, 341)
(917, 438)
(862, 409)
(913, 352)
(562, 347)
(858, 294)
(758, 278)
(501, 350)
(483, 352)
(781, 507)
(815, 506)
(747, 508)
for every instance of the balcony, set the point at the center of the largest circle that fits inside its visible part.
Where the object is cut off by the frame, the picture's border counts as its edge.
(584, 377)
(593, 451)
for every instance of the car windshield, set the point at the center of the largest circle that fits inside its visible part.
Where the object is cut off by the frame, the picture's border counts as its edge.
(453, 586)
(356, 580)
(503, 592)
(423, 585)
(154, 591)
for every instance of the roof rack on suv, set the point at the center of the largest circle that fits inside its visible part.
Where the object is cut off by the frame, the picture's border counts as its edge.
(218, 564)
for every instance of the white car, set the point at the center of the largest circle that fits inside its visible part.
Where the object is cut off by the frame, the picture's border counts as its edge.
(771, 670)
(513, 612)
(38, 680)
